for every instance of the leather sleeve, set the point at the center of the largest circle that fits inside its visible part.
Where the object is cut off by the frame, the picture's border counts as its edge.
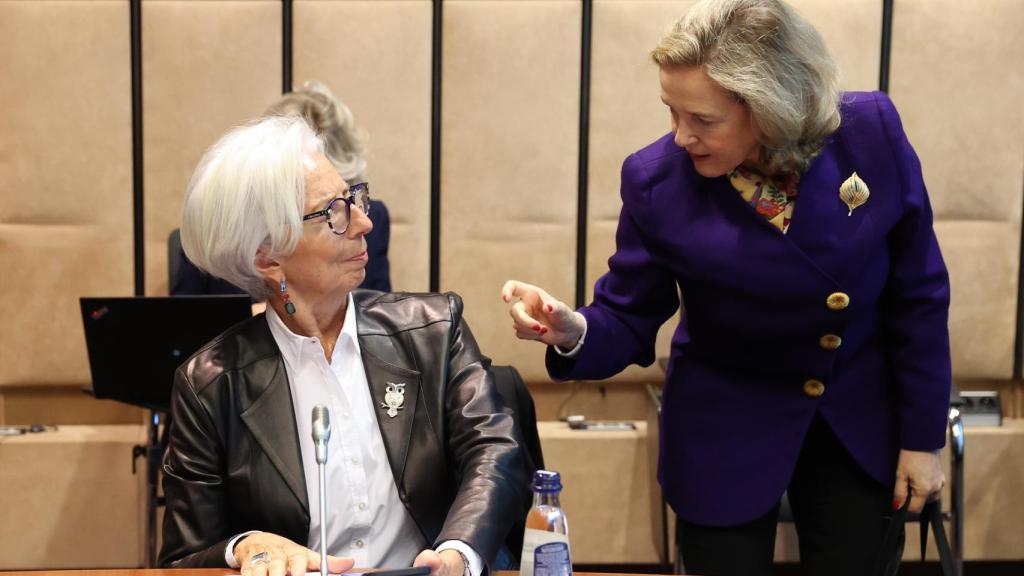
(486, 447)
(195, 530)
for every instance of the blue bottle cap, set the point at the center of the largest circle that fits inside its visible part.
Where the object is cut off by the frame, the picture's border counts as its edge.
(547, 482)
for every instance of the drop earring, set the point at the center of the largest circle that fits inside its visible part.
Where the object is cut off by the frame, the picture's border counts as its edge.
(288, 306)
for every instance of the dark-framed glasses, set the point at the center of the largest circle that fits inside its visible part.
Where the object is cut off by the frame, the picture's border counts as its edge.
(339, 216)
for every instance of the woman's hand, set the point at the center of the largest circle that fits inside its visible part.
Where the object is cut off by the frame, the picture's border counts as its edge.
(538, 316)
(444, 563)
(283, 557)
(920, 475)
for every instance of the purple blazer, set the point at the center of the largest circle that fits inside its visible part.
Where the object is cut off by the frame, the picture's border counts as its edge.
(735, 411)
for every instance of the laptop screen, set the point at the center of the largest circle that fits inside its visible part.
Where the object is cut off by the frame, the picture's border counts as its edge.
(136, 343)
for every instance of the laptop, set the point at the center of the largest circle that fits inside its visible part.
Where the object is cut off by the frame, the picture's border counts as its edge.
(136, 343)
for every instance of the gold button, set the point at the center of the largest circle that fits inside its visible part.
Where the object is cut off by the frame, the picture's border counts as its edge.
(837, 301)
(814, 388)
(830, 341)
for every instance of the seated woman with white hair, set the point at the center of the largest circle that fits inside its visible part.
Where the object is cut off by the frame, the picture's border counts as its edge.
(425, 465)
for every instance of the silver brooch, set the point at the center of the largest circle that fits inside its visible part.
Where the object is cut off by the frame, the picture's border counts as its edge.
(394, 397)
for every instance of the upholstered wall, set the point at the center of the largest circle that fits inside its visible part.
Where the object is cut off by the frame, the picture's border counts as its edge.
(958, 81)
(65, 180)
(507, 141)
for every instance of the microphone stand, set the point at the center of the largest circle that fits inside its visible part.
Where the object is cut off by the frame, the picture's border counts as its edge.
(321, 436)
(321, 466)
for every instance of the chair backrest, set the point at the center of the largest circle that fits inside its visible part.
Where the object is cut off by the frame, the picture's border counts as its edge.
(517, 397)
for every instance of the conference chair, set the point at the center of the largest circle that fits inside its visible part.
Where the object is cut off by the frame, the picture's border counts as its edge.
(518, 399)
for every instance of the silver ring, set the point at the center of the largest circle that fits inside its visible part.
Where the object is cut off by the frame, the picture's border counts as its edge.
(260, 558)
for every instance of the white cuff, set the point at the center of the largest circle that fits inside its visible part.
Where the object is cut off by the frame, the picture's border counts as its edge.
(476, 564)
(229, 552)
(579, 343)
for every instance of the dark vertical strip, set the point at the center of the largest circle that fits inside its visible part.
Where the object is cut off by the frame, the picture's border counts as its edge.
(883, 66)
(584, 156)
(138, 215)
(286, 46)
(435, 150)
(1018, 337)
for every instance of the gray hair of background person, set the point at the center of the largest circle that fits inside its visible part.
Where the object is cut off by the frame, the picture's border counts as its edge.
(247, 193)
(344, 143)
(772, 60)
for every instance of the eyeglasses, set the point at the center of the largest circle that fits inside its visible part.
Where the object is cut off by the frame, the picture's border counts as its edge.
(337, 218)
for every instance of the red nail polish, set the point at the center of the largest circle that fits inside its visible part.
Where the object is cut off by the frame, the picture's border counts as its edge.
(895, 504)
(551, 308)
(543, 330)
(536, 327)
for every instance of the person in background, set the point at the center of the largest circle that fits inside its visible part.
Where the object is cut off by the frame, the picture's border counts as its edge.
(813, 352)
(344, 145)
(425, 464)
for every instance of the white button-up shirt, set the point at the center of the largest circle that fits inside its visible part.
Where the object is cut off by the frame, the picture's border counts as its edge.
(367, 520)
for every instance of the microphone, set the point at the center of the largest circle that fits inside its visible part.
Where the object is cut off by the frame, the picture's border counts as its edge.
(321, 435)
(321, 432)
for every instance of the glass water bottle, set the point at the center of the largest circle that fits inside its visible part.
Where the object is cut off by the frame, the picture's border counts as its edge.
(546, 541)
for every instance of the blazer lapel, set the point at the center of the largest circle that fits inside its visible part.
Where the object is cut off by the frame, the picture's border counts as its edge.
(270, 417)
(818, 226)
(381, 376)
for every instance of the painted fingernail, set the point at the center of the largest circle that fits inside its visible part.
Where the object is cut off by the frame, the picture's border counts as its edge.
(543, 330)
(895, 504)
(536, 327)
(551, 308)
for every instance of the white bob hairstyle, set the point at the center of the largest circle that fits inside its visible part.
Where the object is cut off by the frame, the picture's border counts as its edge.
(248, 193)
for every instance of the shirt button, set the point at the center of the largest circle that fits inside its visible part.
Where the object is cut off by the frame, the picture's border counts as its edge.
(360, 543)
(837, 301)
(354, 460)
(362, 505)
(830, 341)
(814, 388)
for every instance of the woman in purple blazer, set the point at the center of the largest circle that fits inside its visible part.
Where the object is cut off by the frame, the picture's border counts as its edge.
(813, 354)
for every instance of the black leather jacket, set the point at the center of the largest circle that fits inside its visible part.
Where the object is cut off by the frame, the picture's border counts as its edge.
(234, 464)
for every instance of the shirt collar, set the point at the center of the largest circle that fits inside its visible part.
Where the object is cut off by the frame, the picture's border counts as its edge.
(291, 344)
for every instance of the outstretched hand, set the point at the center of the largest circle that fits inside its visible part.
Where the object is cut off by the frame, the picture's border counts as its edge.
(536, 315)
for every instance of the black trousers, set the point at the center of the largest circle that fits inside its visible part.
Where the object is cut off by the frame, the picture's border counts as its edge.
(841, 516)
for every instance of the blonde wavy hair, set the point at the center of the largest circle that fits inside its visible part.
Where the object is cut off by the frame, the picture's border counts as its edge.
(333, 122)
(770, 59)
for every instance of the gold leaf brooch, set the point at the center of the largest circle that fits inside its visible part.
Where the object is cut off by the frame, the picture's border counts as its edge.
(854, 192)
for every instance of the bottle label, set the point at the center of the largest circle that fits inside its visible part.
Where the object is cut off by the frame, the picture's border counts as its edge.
(545, 554)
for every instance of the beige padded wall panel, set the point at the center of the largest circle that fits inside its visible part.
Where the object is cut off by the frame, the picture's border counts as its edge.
(627, 113)
(958, 83)
(983, 275)
(958, 80)
(206, 67)
(376, 57)
(509, 161)
(65, 180)
(852, 31)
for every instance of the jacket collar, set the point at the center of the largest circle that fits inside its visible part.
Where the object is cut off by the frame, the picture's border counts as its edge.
(385, 359)
(268, 412)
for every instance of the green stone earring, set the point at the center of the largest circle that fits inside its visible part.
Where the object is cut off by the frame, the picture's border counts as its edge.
(288, 306)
